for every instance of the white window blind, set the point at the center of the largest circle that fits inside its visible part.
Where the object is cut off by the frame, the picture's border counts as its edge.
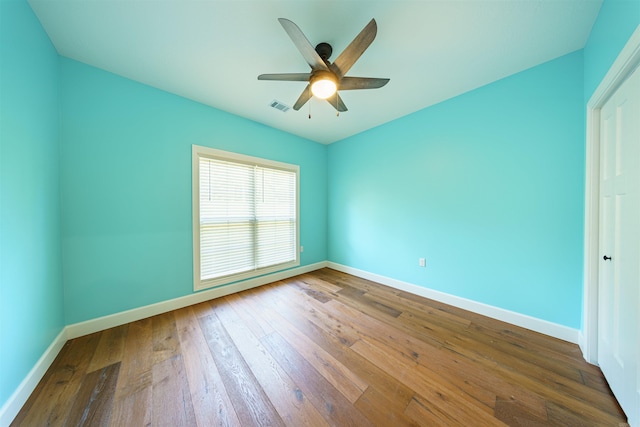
(247, 221)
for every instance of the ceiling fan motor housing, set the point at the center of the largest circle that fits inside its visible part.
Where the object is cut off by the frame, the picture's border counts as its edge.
(324, 50)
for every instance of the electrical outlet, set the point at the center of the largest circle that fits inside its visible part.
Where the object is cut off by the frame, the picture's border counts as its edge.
(422, 262)
(301, 249)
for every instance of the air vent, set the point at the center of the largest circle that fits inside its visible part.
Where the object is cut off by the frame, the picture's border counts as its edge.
(280, 106)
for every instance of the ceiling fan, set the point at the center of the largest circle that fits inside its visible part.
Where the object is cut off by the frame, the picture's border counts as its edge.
(326, 78)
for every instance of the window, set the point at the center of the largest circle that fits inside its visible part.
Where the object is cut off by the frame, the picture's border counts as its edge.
(245, 217)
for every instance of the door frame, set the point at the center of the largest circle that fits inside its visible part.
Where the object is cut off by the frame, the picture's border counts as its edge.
(623, 66)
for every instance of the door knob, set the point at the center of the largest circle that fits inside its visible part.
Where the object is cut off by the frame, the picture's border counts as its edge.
(606, 258)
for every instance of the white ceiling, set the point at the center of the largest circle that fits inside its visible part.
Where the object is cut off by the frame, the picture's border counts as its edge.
(212, 51)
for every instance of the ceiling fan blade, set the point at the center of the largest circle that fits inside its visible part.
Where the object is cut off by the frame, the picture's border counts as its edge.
(304, 97)
(350, 55)
(286, 77)
(302, 43)
(352, 83)
(337, 103)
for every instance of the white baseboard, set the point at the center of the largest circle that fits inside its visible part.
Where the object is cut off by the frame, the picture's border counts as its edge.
(588, 355)
(538, 325)
(117, 319)
(19, 397)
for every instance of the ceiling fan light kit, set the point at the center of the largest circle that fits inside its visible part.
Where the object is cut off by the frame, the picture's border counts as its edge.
(326, 78)
(323, 84)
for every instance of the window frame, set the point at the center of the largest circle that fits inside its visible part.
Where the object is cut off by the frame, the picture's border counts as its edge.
(199, 152)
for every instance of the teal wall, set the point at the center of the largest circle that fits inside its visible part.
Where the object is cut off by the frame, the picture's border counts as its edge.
(31, 304)
(488, 187)
(126, 188)
(616, 22)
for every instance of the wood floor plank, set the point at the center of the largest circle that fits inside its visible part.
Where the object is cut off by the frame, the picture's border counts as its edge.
(316, 282)
(596, 381)
(447, 362)
(322, 348)
(399, 300)
(355, 298)
(540, 381)
(93, 403)
(561, 416)
(373, 322)
(334, 407)
(212, 404)
(499, 347)
(250, 401)
(372, 327)
(317, 294)
(249, 298)
(432, 321)
(172, 405)
(110, 348)
(394, 392)
(479, 392)
(512, 413)
(442, 309)
(133, 394)
(133, 409)
(432, 388)
(564, 363)
(427, 416)
(502, 384)
(294, 407)
(299, 306)
(166, 344)
(385, 410)
(49, 404)
(492, 341)
(335, 345)
(337, 374)
(439, 403)
(557, 388)
(242, 309)
(480, 380)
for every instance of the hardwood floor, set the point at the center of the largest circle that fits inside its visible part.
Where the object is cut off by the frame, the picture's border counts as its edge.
(319, 349)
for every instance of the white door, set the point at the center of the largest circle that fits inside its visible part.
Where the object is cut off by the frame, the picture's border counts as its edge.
(619, 297)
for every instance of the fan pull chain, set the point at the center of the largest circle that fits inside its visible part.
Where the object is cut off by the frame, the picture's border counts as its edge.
(337, 111)
(310, 99)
